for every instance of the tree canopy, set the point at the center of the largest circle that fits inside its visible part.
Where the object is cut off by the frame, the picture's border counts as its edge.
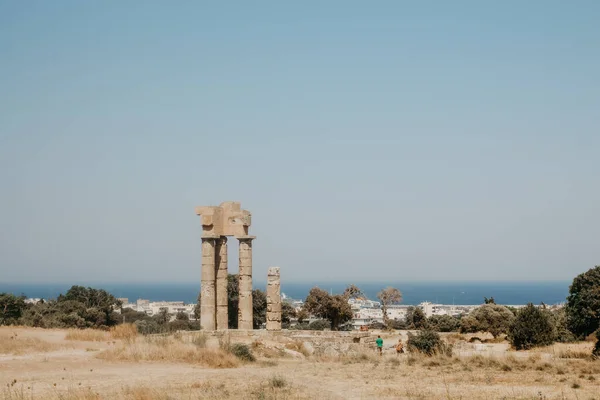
(387, 297)
(334, 308)
(583, 303)
(491, 318)
(532, 327)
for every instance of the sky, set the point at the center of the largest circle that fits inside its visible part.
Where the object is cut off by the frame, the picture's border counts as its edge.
(371, 141)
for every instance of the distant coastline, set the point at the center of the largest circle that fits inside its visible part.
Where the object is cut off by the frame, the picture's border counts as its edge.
(458, 293)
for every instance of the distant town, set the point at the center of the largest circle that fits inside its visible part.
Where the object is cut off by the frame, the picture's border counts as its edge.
(365, 312)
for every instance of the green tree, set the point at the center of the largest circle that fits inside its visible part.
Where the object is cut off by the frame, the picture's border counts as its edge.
(162, 318)
(181, 316)
(583, 303)
(532, 327)
(233, 299)
(99, 305)
(491, 318)
(259, 308)
(302, 315)
(558, 318)
(197, 308)
(334, 308)
(387, 297)
(443, 323)
(415, 318)
(287, 312)
(11, 308)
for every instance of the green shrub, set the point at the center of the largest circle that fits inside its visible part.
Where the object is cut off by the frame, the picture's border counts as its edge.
(319, 325)
(583, 303)
(428, 342)
(532, 327)
(242, 351)
(443, 323)
(491, 318)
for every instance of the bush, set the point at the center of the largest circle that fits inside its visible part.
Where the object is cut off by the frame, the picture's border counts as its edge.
(277, 382)
(148, 327)
(428, 342)
(397, 324)
(490, 318)
(558, 319)
(376, 325)
(319, 325)
(242, 351)
(443, 323)
(415, 318)
(596, 351)
(532, 327)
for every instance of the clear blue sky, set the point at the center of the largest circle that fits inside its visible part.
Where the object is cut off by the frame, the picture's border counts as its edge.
(376, 141)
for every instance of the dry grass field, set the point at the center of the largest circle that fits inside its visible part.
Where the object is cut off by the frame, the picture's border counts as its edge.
(81, 365)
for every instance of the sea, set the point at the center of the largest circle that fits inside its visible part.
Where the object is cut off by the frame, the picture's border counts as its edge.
(458, 293)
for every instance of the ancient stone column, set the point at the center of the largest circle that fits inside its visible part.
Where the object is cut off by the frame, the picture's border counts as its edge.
(221, 286)
(207, 285)
(273, 300)
(245, 284)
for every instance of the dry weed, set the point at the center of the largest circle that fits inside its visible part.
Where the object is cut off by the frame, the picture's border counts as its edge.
(87, 335)
(12, 343)
(298, 346)
(168, 350)
(126, 332)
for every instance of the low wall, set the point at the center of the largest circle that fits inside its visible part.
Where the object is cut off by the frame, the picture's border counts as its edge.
(330, 343)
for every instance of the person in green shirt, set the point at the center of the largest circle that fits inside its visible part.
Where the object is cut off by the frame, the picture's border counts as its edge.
(379, 342)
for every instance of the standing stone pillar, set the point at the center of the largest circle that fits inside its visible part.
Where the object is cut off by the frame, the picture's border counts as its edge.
(221, 285)
(245, 284)
(207, 285)
(273, 300)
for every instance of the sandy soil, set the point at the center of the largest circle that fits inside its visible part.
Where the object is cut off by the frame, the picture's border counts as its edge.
(71, 370)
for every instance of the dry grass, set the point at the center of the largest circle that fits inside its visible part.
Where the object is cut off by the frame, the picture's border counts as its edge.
(126, 332)
(581, 350)
(13, 343)
(274, 388)
(298, 346)
(166, 349)
(87, 335)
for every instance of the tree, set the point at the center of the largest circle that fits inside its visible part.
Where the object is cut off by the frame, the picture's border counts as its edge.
(489, 301)
(11, 308)
(233, 298)
(162, 318)
(99, 305)
(415, 318)
(259, 308)
(558, 318)
(334, 308)
(532, 327)
(491, 318)
(302, 315)
(583, 303)
(387, 297)
(181, 316)
(443, 323)
(197, 307)
(287, 312)
(353, 292)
